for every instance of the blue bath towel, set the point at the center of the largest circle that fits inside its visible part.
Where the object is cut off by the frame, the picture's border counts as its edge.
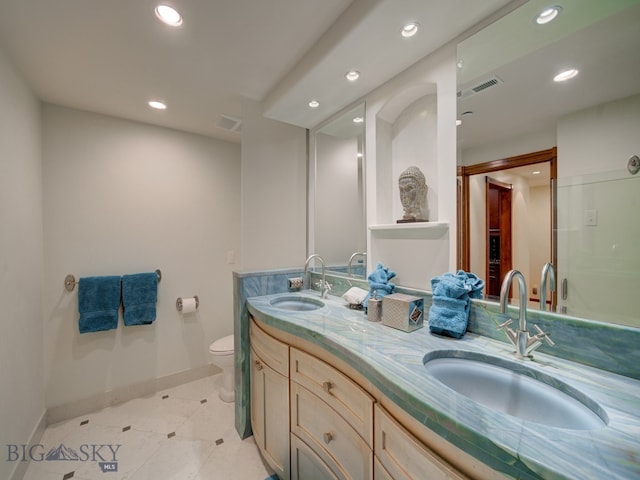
(449, 312)
(98, 303)
(139, 297)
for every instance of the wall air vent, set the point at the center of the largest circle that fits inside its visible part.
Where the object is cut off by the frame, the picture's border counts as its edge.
(229, 122)
(480, 86)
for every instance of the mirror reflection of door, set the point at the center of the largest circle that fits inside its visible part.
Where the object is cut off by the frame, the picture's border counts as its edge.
(498, 234)
(532, 220)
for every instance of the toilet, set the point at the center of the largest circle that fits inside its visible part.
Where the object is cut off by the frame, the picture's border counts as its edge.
(222, 353)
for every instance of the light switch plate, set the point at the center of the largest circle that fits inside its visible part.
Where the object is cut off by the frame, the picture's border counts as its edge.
(590, 218)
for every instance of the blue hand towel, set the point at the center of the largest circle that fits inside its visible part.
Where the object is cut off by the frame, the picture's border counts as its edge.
(139, 297)
(449, 312)
(98, 302)
(449, 316)
(379, 282)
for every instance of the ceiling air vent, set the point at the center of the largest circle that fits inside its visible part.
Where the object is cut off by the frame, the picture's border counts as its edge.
(229, 122)
(480, 86)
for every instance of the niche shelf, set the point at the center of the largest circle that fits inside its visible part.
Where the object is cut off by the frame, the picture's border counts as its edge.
(416, 251)
(410, 226)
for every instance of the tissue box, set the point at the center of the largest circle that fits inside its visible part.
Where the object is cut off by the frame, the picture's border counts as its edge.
(404, 312)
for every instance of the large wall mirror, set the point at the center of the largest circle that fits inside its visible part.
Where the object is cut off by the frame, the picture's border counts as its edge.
(337, 224)
(580, 209)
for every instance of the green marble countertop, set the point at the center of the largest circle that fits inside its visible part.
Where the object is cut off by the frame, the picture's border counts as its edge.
(393, 361)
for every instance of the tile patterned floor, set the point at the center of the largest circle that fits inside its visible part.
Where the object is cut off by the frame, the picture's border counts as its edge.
(184, 433)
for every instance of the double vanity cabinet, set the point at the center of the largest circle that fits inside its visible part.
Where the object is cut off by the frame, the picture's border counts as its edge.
(313, 421)
(333, 395)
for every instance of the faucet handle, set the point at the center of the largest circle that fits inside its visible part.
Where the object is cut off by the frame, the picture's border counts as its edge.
(505, 325)
(542, 335)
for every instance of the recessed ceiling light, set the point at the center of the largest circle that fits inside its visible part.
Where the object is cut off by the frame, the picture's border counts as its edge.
(409, 29)
(314, 104)
(352, 75)
(157, 105)
(566, 75)
(169, 15)
(358, 120)
(537, 172)
(548, 15)
(359, 155)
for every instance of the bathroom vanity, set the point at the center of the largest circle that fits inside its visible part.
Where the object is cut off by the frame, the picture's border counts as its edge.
(336, 396)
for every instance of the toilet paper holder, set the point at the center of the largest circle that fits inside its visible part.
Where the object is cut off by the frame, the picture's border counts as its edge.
(179, 303)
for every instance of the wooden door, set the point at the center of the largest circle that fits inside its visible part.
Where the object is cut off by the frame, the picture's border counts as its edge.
(498, 234)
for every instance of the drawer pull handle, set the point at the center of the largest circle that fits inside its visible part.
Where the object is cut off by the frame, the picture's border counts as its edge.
(258, 365)
(327, 438)
(327, 386)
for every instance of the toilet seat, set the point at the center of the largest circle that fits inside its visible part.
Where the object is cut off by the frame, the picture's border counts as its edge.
(222, 346)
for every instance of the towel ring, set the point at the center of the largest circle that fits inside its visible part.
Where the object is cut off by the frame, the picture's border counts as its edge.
(70, 281)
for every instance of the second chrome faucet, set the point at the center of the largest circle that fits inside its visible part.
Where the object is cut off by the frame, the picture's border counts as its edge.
(525, 343)
(323, 284)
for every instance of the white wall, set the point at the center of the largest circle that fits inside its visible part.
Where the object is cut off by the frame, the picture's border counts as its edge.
(599, 139)
(21, 263)
(338, 215)
(433, 252)
(124, 197)
(274, 192)
(539, 215)
(526, 143)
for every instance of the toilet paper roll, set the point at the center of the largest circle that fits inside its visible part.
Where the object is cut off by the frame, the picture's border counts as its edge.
(189, 305)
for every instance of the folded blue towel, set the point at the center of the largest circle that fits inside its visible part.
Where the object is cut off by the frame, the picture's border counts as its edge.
(379, 282)
(449, 316)
(139, 297)
(98, 303)
(449, 312)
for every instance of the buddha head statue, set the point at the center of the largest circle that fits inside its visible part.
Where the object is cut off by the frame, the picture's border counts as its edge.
(413, 194)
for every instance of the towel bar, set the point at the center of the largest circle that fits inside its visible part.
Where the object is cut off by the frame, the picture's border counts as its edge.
(70, 281)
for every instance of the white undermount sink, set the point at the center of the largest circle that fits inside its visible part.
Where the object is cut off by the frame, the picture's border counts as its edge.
(296, 303)
(515, 389)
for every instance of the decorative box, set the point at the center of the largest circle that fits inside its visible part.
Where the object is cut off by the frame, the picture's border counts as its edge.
(404, 312)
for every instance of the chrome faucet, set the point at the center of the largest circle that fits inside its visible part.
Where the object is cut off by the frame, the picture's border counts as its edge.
(357, 254)
(322, 284)
(548, 270)
(525, 344)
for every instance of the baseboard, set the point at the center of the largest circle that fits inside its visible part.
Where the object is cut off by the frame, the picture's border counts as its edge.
(97, 402)
(36, 435)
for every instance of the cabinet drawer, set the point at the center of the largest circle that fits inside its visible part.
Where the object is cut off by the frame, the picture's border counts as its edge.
(306, 465)
(403, 456)
(379, 472)
(347, 398)
(329, 435)
(273, 352)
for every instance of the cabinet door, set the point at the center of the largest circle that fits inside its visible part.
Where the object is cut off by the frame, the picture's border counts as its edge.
(403, 456)
(329, 436)
(270, 414)
(306, 465)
